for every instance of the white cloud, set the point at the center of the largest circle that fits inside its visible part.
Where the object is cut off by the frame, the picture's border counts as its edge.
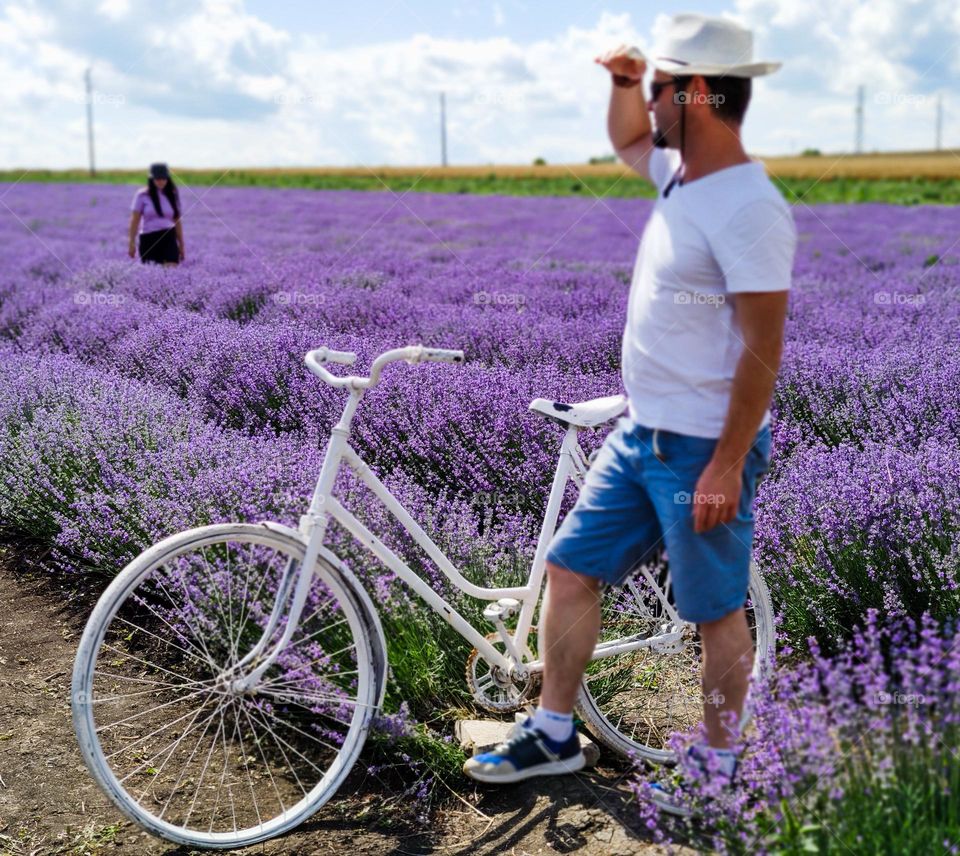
(217, 85)
(903, 53)
(114, 9)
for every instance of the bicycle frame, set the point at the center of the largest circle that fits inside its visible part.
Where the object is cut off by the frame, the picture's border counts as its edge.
(518, 660)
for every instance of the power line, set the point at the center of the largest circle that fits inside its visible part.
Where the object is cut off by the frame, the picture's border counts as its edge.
(858, 141)
(443, 128)
(89, 86)
(939, 138)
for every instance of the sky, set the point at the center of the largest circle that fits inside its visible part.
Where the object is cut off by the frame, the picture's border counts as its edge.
(228, 83)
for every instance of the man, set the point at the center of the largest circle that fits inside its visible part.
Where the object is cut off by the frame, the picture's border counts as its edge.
(701, 351)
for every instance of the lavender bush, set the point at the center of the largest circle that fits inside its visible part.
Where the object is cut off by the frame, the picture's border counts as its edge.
(136, 401)
(851, 753)
(860, 506)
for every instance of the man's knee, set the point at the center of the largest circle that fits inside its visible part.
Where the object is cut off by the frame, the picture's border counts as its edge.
(720, 627)
(567, 582)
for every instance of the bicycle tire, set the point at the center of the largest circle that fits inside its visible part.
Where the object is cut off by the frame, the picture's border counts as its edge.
(273, 708)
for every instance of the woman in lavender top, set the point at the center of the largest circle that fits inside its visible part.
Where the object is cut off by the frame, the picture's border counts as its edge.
(156, 213)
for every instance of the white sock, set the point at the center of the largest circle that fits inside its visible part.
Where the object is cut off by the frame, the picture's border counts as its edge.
(557, 726)
(726, 759)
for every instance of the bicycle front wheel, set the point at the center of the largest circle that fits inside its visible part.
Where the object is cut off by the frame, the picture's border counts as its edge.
(633, 702)
(169, 734)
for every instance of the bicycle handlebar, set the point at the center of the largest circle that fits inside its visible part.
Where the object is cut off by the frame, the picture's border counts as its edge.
(412, 354)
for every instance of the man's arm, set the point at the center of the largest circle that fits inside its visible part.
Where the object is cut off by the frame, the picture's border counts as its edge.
(628, 122)
(761, 316)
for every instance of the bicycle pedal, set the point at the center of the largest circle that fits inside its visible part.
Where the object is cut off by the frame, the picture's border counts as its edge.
(503, 609)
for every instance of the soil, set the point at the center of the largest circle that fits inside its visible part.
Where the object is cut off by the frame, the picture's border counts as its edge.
(49, 804)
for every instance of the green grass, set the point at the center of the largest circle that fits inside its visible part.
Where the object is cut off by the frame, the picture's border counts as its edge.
(910, 808)
(808, 190)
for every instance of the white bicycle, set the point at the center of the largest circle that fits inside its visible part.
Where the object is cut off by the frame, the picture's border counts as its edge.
(228, 676)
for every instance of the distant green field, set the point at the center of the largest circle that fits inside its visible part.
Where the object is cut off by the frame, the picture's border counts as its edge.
(520, 182)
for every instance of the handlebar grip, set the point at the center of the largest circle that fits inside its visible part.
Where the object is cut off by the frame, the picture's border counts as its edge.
(328, 355)
(443, 355)
(414, 354)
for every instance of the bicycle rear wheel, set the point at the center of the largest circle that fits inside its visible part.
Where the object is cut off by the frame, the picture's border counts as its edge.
(164, 729)
(633, 702)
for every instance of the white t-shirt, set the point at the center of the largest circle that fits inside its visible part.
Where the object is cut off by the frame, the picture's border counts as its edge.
(727, 232)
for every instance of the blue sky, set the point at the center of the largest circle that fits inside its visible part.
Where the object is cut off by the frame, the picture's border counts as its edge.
(268, 82)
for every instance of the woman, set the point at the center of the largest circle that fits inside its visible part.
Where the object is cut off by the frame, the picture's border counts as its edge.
(156, 212)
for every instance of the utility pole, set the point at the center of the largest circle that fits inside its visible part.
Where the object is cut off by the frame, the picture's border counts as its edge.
(443, 128)
(939, 122)
(858, 143)
(89, 85)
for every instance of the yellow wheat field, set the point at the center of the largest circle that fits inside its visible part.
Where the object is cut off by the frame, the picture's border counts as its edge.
(898, 165)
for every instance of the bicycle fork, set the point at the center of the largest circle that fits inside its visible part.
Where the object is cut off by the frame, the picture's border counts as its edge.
(313, 525)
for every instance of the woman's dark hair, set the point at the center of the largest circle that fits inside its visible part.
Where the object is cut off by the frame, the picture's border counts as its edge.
(732, 94)
(170, 191)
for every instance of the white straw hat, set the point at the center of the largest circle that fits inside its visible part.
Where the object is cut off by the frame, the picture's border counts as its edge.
(697, 44)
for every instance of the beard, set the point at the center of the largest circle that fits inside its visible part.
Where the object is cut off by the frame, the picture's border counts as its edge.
(659, 139)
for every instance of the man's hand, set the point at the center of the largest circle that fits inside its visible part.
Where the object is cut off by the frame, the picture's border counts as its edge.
(716, 496)
(623, 61)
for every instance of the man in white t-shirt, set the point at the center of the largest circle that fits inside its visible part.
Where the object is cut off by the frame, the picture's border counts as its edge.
(701, 351)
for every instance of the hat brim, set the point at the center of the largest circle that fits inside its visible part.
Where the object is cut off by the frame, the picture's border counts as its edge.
(750, 69)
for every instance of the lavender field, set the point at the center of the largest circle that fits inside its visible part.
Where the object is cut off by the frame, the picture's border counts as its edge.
(136, 401)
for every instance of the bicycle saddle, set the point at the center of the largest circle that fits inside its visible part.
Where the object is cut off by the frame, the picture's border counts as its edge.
(584, 414)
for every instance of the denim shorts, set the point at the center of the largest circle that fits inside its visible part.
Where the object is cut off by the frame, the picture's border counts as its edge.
(637, 504)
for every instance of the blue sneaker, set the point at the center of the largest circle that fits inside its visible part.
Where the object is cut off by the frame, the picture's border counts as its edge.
(528, 752)
(676, 800)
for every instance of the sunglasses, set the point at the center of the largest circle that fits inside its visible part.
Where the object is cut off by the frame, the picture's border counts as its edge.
(657, 86)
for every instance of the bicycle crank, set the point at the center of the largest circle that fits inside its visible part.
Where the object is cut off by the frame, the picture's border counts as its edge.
(492, 688)
(671, 639)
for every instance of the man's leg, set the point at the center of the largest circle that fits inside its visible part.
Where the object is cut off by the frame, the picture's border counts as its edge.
(569, 630)
(547, 743)
(727, 663)
(611, 526)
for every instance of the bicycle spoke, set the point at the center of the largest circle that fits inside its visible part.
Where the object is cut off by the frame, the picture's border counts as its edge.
(246, 767)
(154, 683)
(130, 656)
(199, 635)
(316, 700)
(215, 591)
(124, 696)
(206, 765)
(171, 745)
(148, 736)
(329, 627)
(302, 733)
(173, 790)
(223, 779)
(303, 667)
(291, 767)
(151, 710)
(201, 658)
(304, 757)
(266, 764)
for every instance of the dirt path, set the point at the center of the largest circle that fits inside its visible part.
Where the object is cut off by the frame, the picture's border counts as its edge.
(50, 805)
